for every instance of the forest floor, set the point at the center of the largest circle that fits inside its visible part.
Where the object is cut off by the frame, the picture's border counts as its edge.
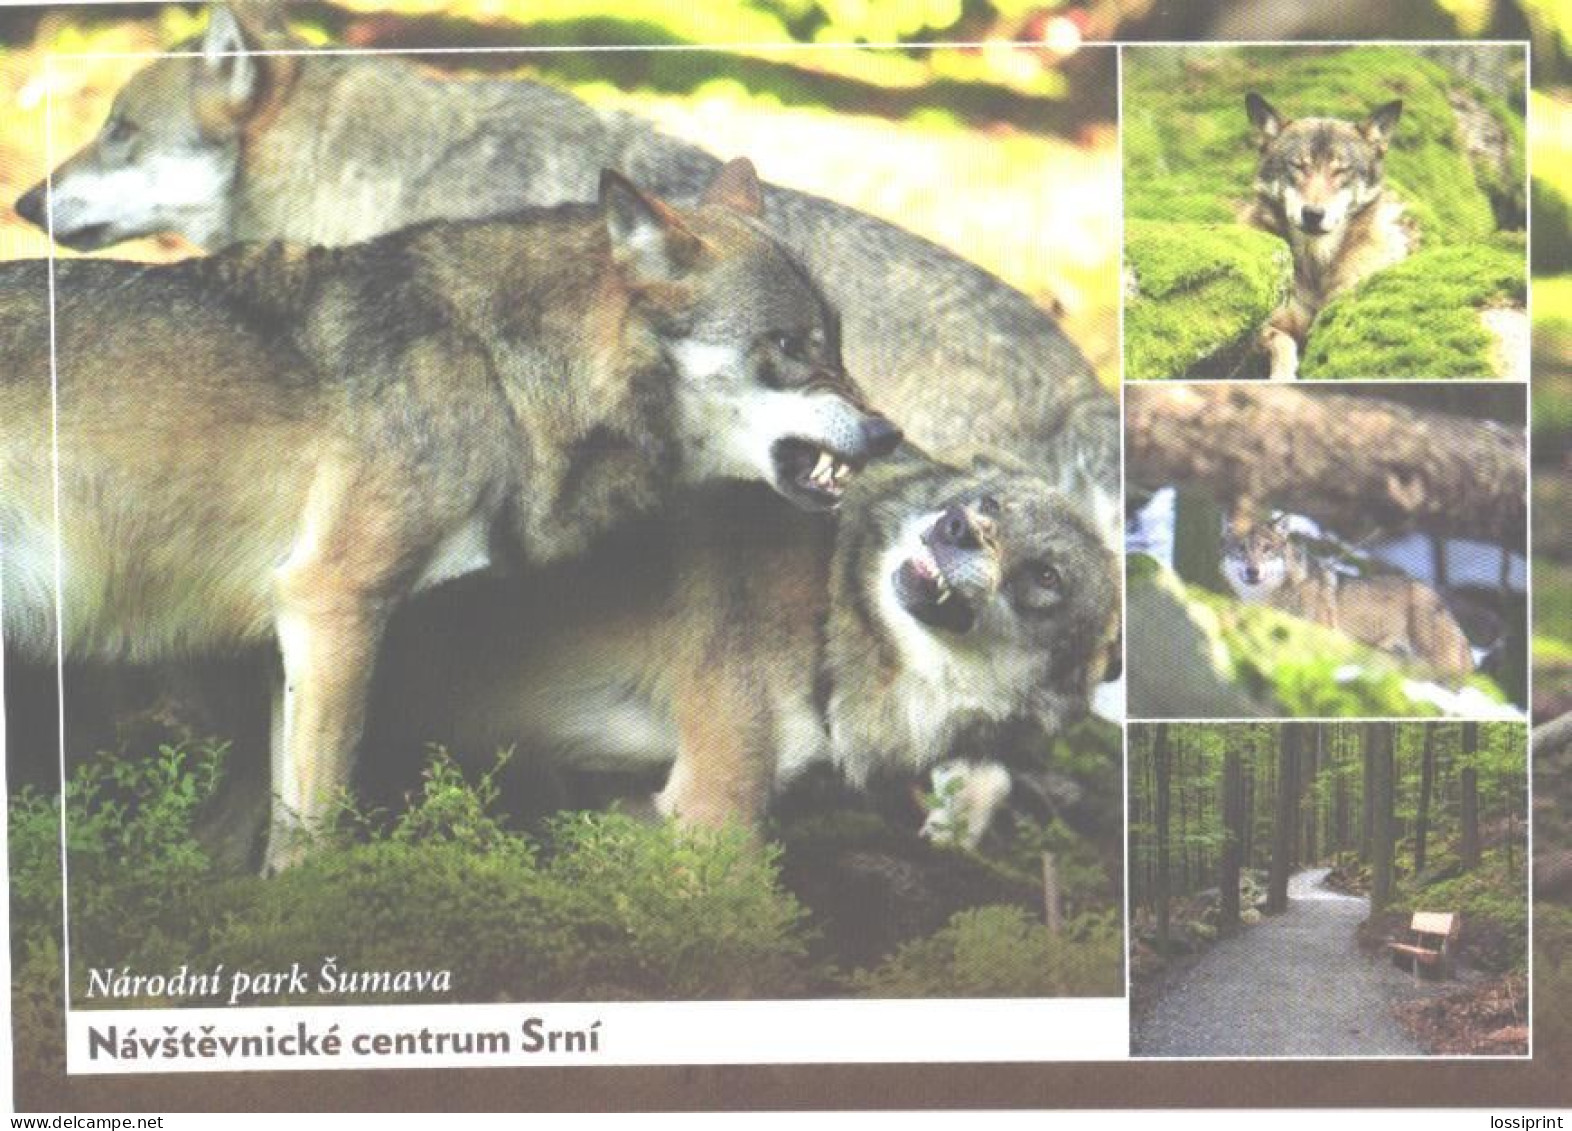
(1295, 984)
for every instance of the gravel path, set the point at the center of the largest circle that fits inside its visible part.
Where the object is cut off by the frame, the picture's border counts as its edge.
(1293, 985)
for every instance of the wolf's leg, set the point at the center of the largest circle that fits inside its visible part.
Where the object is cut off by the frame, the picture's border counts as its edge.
(333, 594)
(329, 649)
(725, 760)
(1282, 354)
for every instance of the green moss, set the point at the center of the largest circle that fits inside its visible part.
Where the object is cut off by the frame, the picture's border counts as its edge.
(1305, 670)
(1201, 289)
(1419, 318)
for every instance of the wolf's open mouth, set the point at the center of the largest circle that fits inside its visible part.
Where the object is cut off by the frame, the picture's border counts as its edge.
(927, 595)
(811, 476)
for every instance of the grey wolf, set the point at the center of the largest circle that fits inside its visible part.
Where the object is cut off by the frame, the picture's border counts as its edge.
(228, 144)
(1319, 186)
(286, 442)
(1261, 562)
(743, 642)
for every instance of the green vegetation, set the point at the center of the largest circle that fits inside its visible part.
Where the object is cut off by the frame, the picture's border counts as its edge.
(593, 906)
(1190, 162)
(1419, 317)
(1201, 289)
(1281, 664)
(1453, 809)
(1003, 952)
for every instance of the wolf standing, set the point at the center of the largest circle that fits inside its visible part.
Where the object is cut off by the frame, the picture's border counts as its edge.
(1319, 186)
(289, 442)
(230, 144)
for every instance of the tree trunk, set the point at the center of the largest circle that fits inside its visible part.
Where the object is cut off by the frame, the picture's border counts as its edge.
(1378, 745)
(1468, 807)
(1367, 807)
(1312, 766)
(1339, 799)
(1160, 820)
(1258, 446)
(1427, 778)
(1286, 827)
(1233, 806)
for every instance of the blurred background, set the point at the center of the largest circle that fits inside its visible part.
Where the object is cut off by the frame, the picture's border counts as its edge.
(995, 151)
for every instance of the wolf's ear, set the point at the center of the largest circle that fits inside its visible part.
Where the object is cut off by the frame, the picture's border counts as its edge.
(737, 187)
(646, 235)
(1379, 126)
(1267, 121)
(232, 78)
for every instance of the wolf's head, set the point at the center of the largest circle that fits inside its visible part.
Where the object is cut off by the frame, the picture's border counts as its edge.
(167, 156)
(761, 392)
(989, 596)
(1256, 557)
(1315, 173)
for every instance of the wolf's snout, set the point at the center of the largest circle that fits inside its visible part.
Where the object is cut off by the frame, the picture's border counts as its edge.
(30, 206)
(957, 528)
(880, 437)
(1312, 218)
(1252, 575)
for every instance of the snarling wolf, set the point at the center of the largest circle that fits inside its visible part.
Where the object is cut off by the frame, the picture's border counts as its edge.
(288, 442)
(1319, 186)
(230, 144)
(741, 642)
(1261, 562)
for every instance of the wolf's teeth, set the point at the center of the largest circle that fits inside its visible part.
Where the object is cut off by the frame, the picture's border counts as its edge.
(824, 467)
(944, 595)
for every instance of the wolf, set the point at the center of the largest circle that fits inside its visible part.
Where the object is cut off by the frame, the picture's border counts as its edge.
(1261, 562)
(744, 642)
(231, 144)
(1318, 185)
(288, 442)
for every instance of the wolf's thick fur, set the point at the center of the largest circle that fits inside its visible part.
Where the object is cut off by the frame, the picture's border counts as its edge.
(324, 149)
(1261, 562)
(751, 641)
(1319, 186)
(288, 442)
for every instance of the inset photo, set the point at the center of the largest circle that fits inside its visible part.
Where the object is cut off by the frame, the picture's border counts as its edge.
(1317, 552)
(1329, 889)
(1326, 212)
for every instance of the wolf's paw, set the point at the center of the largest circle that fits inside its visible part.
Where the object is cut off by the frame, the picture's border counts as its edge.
(1282, 353)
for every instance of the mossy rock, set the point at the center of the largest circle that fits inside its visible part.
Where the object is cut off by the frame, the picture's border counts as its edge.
(1179, 666)
(1421, 317)
(1200, 290)
(1198, 654)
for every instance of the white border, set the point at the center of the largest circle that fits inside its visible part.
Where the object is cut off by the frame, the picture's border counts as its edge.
(884, 1029)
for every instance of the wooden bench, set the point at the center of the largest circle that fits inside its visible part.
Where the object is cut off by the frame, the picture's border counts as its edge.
(1432, 938)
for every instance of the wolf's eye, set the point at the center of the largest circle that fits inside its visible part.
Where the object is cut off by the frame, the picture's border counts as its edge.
(1046, 576)
(792, 343)
(118, 131)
